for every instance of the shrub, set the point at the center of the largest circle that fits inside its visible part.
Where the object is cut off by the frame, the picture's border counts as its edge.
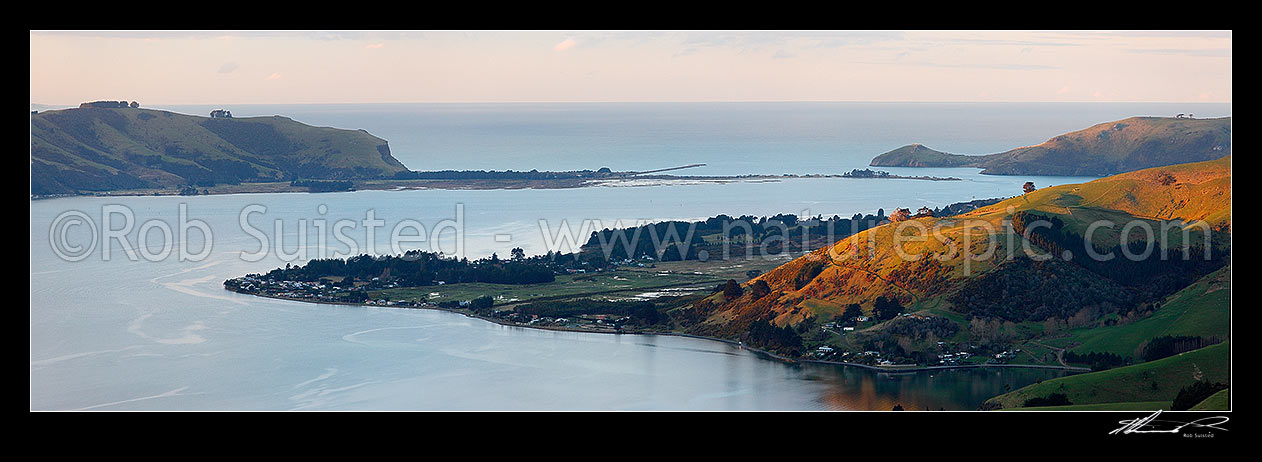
(1054, 399)
(1193, 394)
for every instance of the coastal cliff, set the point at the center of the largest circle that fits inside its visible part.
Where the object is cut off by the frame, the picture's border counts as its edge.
(1105, 149)
(103, 149)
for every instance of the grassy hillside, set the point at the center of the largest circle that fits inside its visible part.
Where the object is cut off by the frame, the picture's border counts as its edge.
(1154, 381)
(870, 264)
(1104, 149)
(1203, 309)
(1124, 406)
(99, 149)
(978, 271)
(1220, 401)
(917, 155)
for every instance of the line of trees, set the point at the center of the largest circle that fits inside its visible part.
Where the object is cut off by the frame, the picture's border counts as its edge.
(1170, 345)
(682, 240)
(642, 312)
(1054, 399)
(324, 185)
(1096, 359)
(419, 268)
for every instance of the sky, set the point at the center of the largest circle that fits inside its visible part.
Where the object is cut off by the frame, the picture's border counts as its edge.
(293, 67)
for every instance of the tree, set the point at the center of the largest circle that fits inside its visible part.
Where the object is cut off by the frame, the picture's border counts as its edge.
(886, 308)
(900, 215)
(760, 288)
(731, 289)
(1028, 187)
(518, 254)
(481, 303)
(852, 311)
(898, 407)
(134, 105)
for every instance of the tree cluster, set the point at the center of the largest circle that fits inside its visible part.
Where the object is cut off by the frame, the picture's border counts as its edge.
(886, 307)
(419, 268)
(1028, 290)
(324, 185)
(1169, 345)
(784, 340)
(642, 312)
(922, 328)
(681, 240)
(1152, 276)
(1193, 394)
(1096, 359)
(1054, 399)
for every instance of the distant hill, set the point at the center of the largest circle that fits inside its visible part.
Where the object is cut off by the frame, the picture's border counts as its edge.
(870, 265)
(102, 149)
(1104, 149)
(917, 155)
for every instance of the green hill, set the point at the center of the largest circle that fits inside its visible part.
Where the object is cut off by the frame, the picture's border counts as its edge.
(1220, 401)
(868, 265)
(1104, 149)
(917, 155)
(1004, 297)
(1155, 381)
(102, 149)
(1202, 309)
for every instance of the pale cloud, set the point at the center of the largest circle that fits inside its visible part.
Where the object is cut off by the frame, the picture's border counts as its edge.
(1202, 53)
(565, 44)
(71, 66)
(685, 52)
(990, 65)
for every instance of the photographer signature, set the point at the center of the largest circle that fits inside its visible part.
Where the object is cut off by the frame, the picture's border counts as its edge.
(1150, 424)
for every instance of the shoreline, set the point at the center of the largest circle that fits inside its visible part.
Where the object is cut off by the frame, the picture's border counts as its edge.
(479, 184)
(756, 351)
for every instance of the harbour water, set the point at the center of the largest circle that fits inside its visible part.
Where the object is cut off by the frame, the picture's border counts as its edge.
(156, 332)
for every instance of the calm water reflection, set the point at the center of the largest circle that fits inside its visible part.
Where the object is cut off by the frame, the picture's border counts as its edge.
(132, 335)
